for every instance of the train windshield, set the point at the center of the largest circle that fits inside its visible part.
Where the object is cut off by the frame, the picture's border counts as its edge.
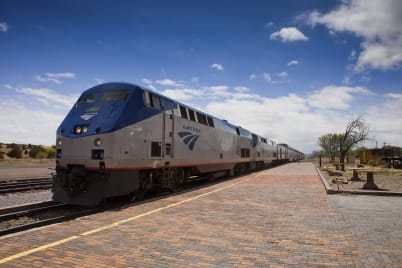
(104, 97)
(87, 98)
(115, 95)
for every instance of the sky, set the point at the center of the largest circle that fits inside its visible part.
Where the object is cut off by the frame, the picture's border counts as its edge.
(291, 71)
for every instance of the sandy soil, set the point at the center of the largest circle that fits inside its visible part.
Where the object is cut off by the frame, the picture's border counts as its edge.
(387, 180)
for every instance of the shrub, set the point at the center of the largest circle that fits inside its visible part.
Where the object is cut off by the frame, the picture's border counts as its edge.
(41, 155)
(37, 152)
(1, 155)
(51, 152)
(15, 152)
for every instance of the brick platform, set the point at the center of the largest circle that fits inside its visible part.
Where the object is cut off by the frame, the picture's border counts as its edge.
(280, 217)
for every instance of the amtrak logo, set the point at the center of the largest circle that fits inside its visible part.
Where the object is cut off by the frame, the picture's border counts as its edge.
(88, 116)
(189, 139)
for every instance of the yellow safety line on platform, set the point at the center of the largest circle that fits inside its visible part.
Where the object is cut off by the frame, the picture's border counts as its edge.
(56, 243)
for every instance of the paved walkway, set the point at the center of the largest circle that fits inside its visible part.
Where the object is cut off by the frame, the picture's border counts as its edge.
(280, 217)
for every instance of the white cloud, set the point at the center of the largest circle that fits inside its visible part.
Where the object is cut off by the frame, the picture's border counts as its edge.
(335, 97)
(61, 75)
(378, 22)
(167, 82)
(183, 94)
(217, 66)
(267, 117)
(22, 125)
(49, 97)
(146, 81)
(55, 77)
(289, 34)
(385, 119)
(3, 27)
(47, 79)
(99, 80)
(241, 89)
(8, 86)
(253, 76)
(267, 77)
(293, 62)
(380, 55)
(283, 74)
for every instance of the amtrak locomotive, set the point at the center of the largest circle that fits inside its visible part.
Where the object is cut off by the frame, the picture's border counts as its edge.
(123, 139)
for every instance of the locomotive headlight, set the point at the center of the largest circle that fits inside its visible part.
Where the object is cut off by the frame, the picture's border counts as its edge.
(77, 130)
(98, 142)
(84, 129)
(59, 142)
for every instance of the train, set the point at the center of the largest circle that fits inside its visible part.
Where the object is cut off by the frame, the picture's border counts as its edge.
(121, 139)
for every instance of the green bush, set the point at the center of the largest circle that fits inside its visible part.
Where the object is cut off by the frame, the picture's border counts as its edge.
(1, 155)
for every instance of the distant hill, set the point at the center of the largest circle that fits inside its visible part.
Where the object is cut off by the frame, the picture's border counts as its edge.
(26, 151)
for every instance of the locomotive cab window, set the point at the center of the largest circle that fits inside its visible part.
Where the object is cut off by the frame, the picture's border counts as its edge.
(87, 98)
(152, 100)
(156, 102)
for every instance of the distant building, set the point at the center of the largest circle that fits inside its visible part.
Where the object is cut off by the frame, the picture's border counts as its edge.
(390, 154)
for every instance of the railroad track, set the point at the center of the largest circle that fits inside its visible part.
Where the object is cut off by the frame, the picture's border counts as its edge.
(17, 219)
(25, 185)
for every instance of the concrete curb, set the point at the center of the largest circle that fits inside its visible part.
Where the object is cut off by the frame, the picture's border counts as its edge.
(330, 190)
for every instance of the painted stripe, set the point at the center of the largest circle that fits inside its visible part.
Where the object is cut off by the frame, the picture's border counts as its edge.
(171, 166)
(109, 226)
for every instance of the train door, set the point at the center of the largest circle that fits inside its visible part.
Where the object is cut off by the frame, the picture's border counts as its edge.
(168, 135)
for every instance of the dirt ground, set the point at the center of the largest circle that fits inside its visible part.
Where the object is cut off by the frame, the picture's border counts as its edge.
(385, 179)
(25, 169)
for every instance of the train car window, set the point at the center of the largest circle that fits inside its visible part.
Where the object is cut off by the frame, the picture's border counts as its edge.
(156, 149)
(202, 119)
(87, 98)
(191, 114)
(238, 131)
(183, 112)
(115, 95)
(210, 121)
(156, 102)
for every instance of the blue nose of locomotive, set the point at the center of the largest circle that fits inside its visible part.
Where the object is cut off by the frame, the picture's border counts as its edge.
(100, 110)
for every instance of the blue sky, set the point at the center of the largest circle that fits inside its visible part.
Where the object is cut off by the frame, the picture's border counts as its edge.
(288, 70)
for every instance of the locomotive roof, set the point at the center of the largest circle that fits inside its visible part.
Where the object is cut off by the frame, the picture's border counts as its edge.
(117, 86)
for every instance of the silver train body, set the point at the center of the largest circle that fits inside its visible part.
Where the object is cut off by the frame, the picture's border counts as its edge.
(122, 139)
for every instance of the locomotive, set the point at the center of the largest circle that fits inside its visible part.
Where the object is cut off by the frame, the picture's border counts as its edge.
(123, 139)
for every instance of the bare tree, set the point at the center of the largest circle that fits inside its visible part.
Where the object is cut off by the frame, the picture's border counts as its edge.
(356, 131)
